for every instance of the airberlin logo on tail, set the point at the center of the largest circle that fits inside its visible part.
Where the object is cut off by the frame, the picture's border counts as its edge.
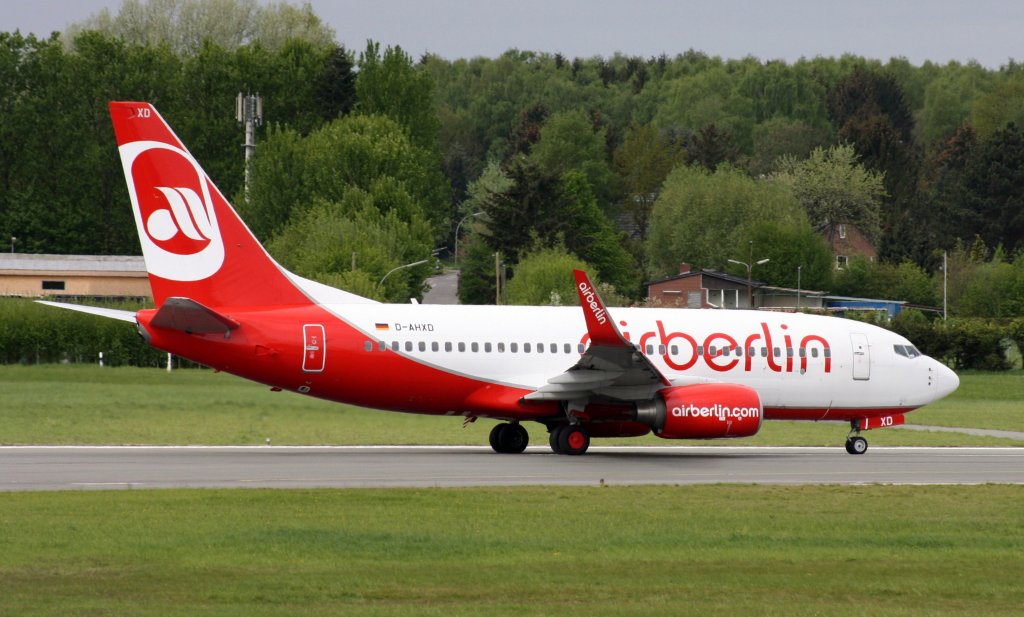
(592, 303)
(174, 211)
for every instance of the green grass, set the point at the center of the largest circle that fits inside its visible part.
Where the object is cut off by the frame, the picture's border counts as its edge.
(81, 404)
(755, 550)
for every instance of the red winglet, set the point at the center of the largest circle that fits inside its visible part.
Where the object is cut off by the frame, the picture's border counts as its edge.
(600, 326)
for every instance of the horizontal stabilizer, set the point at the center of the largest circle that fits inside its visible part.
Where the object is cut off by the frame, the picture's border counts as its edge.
(109, 313)
(187, 315)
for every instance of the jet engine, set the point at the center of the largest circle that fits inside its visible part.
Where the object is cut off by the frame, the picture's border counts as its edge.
(703, 411)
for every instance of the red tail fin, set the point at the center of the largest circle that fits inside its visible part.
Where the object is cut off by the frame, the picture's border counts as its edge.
(194, 243)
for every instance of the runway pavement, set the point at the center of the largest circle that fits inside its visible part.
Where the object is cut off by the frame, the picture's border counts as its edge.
(24, 468)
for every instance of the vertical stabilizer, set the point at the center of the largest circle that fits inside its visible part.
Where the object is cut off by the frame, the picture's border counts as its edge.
(194, 243)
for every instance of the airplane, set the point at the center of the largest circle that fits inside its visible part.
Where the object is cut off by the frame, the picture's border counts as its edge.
(222, 301)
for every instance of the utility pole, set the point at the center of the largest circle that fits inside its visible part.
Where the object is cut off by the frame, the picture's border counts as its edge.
(945, 277)
(249, 112)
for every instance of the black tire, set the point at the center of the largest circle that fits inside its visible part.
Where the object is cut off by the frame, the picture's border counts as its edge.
(856, 445)
(496, 435)
(513, 439)
(573, 440)
(553, 438)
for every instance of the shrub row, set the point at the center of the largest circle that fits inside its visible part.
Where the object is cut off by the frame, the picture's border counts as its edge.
(32, 333)
(963, 343)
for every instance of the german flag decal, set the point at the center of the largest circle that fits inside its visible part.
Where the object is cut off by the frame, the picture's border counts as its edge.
(383, 327)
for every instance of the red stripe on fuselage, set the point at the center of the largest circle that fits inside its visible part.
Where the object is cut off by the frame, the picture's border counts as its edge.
(268, 348)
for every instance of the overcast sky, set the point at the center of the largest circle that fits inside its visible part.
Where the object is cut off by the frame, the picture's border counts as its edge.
(988, 31)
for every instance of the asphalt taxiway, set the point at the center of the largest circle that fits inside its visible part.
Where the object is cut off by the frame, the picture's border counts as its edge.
(24, 468)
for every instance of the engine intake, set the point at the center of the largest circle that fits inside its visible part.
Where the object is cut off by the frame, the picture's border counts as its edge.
(703, 411)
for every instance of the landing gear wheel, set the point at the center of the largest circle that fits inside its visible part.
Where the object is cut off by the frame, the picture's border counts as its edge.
(553, 438)
(573, 440)
(856, 445)
(509, 438)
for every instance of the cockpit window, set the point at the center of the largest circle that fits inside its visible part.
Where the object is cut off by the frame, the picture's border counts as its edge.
(907, 351)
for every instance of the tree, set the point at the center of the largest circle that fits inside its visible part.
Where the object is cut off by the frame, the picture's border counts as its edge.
(993, 183)
(388, 84)
(569, 142)
(710, 147)
(834, 189)
(700, 216)
(788, 248)
(872, 279)
(354, 242)
(544, 277)
(643, 161)
(185, 26)
(290, 172)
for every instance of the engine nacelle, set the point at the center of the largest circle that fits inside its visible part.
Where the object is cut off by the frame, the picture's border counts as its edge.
(703, 411)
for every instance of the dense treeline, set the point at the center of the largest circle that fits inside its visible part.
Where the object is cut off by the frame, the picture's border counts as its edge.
(369, 161)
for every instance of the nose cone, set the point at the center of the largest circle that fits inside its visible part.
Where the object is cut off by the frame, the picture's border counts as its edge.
(944, 379)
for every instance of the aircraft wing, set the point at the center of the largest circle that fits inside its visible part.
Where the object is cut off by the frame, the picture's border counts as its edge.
(109, 313)
(610, 367)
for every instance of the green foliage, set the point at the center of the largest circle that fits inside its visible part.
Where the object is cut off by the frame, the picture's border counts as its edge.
(544, 277)
(964, 343)
(701, 217)
(366, 227)
(567, 142)
(184, 26)
(788, 247)
(290, 172)
(871, 279)
(32, 333)
(477, 282)
(388, 84)
(643, 161)
(993, 180)
(834, 189)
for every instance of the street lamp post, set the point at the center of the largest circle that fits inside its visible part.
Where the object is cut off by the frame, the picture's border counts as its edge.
(749, 267)
(798, 269)
(412, 265)
(457, 227)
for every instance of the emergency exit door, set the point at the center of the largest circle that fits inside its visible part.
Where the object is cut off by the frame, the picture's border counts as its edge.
(315, 348)
(861, 356)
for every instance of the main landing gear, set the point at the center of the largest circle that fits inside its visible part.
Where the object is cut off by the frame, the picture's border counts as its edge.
(855, 444)
(569, 439)
(509, 438)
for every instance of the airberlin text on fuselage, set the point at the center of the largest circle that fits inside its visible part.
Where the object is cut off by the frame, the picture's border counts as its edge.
(681, 350)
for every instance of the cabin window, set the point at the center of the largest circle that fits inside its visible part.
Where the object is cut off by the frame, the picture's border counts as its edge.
(581, 347)
(408, 345)
(368, 346)
(447, 345)
(540, 347)
(513, 347)
(434, 346)
(526, 348)
(462, 346)
(568, 348)
(501, 347)
(394, 345)
(814, 352)
(423, 345)
(474, 347)
(776, 352)
(650, 350)
(382, 346)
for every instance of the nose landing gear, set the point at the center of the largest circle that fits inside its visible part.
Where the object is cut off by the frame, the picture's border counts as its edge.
(855, 444)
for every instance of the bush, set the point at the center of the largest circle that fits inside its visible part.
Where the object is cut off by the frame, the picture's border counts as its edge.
(32, 333)
(968, 343)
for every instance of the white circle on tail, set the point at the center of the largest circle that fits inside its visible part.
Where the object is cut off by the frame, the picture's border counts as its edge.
(174, 213)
